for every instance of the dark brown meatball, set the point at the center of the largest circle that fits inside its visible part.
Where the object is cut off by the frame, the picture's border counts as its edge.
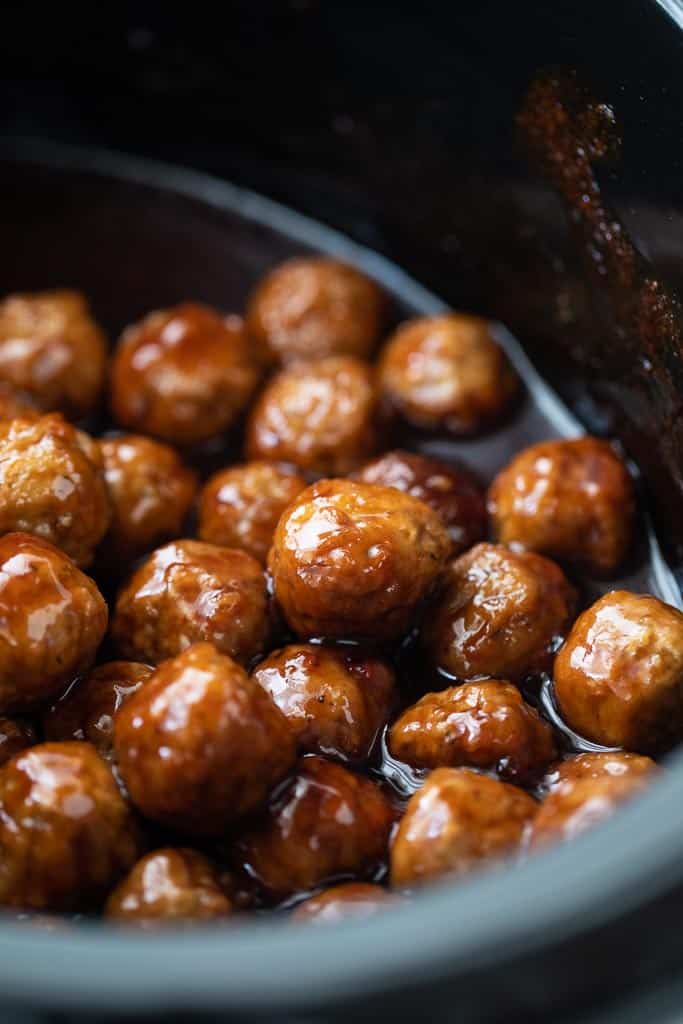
(239, 507)
(457, 821)
(51, 348)
(613, 763)
(66, 833)
(447, 372)
(326, 822)
(183, 374)
(581, 803)
(335, 699)
(188, 591)
(354, 560)
(201, 744)
(484, 725)
(16, 734)
(315, 307)
(501, 614)
(53, 619)
(348, 901)
(619, 676)
(15, 404)
(571, 500)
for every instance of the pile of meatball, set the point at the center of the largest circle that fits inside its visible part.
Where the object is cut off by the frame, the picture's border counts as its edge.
(221, 735)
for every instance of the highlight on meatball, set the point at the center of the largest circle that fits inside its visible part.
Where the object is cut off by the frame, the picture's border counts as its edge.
(16, 734)
(348, 901)
(597, 765)
(580, 804)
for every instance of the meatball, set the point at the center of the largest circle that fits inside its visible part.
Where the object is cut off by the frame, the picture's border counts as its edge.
(350, 900)
(313, 308)
(484, 725)
(355, 560)
(501, 615)
(450, 490)
(322, 417)
(598, 765)
(66, 833)
(51, 348)
(53, 619)
(15, 404)
(324, 823)
(619, 677)
(51, 484)
(580, 803)
(201, 744)
(335, 700)
(239, 507)
(571, 500)
(448, 373)
(183, 374)
(456, 821)
(16, 734)
(189, 591)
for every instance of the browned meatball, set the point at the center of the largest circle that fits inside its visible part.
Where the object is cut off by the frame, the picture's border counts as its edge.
(448, 373)
(619, 676)
(53, 619)
(51, 484)
(457, 821)
(189, 591)
(580, 803)
(354, 560)
(450, 490)
(501, 615)
(350, 900)
(571, 500)
(597, 765)
(239, 507)
(322, 417)
(325, 822)
(201, 744)
(51, 348)
(312, 308)
(15, 404)
(335, 700)
(171, 884)
(66, 833)
(183, 374)
(16, 734)
(484, 725)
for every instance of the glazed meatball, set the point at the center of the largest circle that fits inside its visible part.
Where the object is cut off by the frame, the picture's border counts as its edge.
(448, 373)
(613, 763)
(239, 507)
(66, 833)
(580, 803)
(15, 404)
(571, 500)
(484, 725)
(183, 374)
(451, 491)
(334, 699)
(16, 734)
(454, 823)
(322, 417)
(353, 560)
(501, 615)
(324, 823)
(312, 308)
(51, 484)
(53, 617)
(201, 744)
(171, 884)
(52, 349)
(350, 900)
(619, 677)
(189, 591)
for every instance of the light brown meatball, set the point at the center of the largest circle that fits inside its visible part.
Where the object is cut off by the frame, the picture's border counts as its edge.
(619, 676)
(315, 307)
(501, 614)
(16, 734)
(335, 700)
(447, 373)
(171, 884)
(578, 804)
(183, 374)
(348, 901)
(15, 404)
(325, 822)
(66, 833)
(571, 500)
(53, 620)
(51, 348)
(188, 591)
(201, 744)
(51, 484)
(354, 560)
(454, 823)
(483, 725)
(613, 763)
(322, 417)
(239, 507)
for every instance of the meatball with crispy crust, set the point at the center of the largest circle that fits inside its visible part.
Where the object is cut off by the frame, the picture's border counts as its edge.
(348, 901)
(16, 734)
(597, 765)
(580, 803)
